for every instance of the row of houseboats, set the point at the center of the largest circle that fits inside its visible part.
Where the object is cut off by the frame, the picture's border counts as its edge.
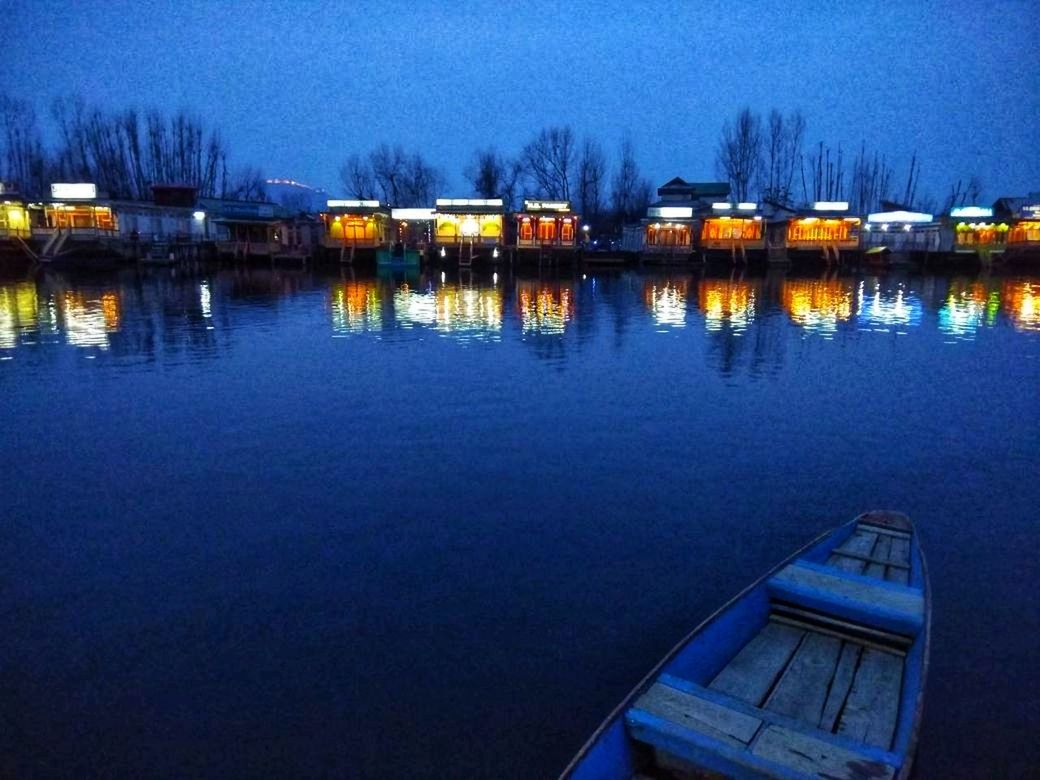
(690, 222)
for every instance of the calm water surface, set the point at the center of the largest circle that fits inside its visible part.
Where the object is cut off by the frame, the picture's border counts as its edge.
(296, 523)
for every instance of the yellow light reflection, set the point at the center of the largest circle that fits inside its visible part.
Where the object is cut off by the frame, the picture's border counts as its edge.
(726, 302)
(1022, 304)
(817, 304)
(545, 308)
(468, 310)
(666, 301)
(88, 322)
(355, 307)
(19, 312)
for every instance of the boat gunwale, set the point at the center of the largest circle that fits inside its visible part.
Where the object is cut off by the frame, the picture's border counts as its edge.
(655, 672)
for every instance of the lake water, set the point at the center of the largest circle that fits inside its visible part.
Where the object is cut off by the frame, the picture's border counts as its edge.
(270, 522)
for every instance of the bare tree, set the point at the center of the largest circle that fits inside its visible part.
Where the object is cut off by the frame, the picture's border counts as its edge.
(548, 160)
(248, 183)
(592, 174)
(871, 181)
(826, 179)
(783, 152)
(357, 178)
(22, 157)
(739, 157)
(418, 182)
(486, 173)
(963, 194)
(630, 192)
(388, 169)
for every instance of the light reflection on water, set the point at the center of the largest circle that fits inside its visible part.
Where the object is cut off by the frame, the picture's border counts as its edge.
(358, 474)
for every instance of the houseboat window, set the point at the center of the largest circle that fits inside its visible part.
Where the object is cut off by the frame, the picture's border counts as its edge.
(731, 230)
(1024, 231)
(980, 233)
(491, 226)
(546, 230)
(821, 230)
(668, 235)
(567, 232)
(526, 231)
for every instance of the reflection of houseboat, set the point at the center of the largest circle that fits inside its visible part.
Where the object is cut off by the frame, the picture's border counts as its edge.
(672, 225)
(544, 307)
(352, 226)
(466, 226)
(824, 231)
(735, 230)
(897, 237)
(546, 229)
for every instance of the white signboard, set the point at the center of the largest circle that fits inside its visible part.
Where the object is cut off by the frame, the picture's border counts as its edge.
(670, 212)
(353, 204)
(76, 191)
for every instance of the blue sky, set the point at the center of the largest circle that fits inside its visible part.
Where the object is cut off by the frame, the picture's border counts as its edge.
(295, 87)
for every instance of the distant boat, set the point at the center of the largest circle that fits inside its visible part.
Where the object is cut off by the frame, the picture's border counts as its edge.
(815, 670)
(398, 257)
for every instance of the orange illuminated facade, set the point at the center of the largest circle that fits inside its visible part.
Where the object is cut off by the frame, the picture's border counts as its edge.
(818, 232)
(362, 224)
(726, 232)
(971, 236)
(1024, 232)
(547, 223)
(79, 217)
(669, 236)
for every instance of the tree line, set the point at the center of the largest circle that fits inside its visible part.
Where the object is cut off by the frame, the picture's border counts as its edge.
(767, 158)
(123, 152)
(552, 165)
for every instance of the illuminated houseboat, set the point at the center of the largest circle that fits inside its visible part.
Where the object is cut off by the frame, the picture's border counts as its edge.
(15, 228)
(351, 226)
(671, 229)
(733, 229)
(974, 231)
(1023, 236)
(899, 236)
(75, 225)
(466, 225)
(824, 231)
(546, 226)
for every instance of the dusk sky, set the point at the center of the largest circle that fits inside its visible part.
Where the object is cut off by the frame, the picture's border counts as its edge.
(295, 87)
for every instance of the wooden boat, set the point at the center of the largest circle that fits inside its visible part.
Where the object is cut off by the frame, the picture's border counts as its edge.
(815, 670)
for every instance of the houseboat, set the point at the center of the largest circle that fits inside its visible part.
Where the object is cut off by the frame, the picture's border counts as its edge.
(242, 230)
(15, 229)
(356, 226)
(898, 236)
(973, 231)
(1023, 236)
(734, 230)
(824, 231)
(546, 229)
(469, 228)
(672, 225)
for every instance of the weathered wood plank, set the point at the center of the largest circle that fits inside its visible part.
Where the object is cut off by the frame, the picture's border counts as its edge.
(802, 690)
(899, 553)
(865, 558)
(880, 553)
(722, 723)
(897, 575)
(872, 707)
(846, 563)
(840, 685)
(846, 589)
(815, 757)
(860, 542)
(752, 671)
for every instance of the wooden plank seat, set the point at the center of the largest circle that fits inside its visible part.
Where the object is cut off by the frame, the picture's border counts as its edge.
(876, 551)
(713, 730)
(860, 599)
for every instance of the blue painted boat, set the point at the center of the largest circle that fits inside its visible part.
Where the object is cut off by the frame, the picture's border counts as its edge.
(815, 670)
(398, 257)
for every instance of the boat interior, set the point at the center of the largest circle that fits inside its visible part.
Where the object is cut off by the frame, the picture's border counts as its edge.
(816, 671)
